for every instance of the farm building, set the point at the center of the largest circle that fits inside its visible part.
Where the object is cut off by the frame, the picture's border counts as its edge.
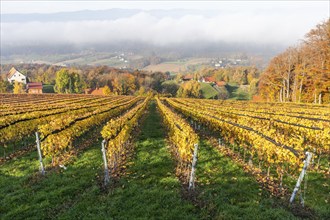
(34, 88)
(187, 77)
(208, 79)
(97, 91)
(14, 75)
(221, 83)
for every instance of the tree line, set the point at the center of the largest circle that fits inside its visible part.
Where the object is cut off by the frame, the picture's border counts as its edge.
(127, 82)
(301, 73)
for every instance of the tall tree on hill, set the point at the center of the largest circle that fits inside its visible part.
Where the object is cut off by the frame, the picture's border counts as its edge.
(318, 43)
(124, 84)
(190, 89)
(62, 81)
(4, 86)
(301, 74)
(67, 82)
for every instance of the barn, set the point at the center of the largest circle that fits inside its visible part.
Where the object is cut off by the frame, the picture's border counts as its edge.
(34, 88)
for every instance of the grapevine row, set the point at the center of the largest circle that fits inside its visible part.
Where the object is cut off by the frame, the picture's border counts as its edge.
(59, 144)
(285, 109)
(286, 131)
(259, 145)
(13, 119)
(117, 133)
(181, 135)
(20, 133)
(50, 105)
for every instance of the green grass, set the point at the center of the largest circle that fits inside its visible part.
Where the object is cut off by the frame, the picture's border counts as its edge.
(236, 93)
(169, 82)
(228, 192)
(11, 148)
(208, 91)
(317, 194)
(25, 194)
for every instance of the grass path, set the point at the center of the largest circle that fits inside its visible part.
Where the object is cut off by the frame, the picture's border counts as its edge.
(149, 190)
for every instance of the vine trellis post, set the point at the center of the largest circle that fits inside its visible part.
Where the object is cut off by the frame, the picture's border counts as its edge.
(106, 169)
(302, 174)
(193, 169)
(42, 169)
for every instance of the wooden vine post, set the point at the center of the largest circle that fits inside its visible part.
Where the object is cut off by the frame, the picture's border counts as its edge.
(301, 177)
(193, 169)
(106, 169)
(42, 169)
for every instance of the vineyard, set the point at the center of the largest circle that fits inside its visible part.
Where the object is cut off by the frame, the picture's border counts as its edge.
(128, 157)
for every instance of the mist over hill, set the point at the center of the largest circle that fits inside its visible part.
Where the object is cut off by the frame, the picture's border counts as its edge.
(170, 34)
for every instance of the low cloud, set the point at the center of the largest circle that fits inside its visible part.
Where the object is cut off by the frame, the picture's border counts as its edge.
(260, 28)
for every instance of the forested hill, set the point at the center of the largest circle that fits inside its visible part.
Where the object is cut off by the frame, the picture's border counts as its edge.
(301, 73)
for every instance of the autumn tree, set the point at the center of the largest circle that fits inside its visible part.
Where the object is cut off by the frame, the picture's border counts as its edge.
(67, 82)
(124, 84)
(170, 87)
(302, 73)
(18, 88)
(4, 86)
(190, 89)
(106, 90)
(62, 81)
(253, 89)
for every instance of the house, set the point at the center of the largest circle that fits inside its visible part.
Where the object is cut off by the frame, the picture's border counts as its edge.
(34, 88)
(14, 75)
(97, 91)
(208, 79)
(221, 83)
(187, 77)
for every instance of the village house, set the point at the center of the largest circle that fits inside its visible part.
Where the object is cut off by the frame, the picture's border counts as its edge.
(97, 91)
(16, 76)
(221, 83)
(34, 88)
(187, 77)
(208, 79)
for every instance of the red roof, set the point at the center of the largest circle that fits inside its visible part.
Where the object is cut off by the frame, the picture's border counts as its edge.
(98, 91)
(209, 79)
(187, 77)
(11, 72)
(221, 83)
(35, 85)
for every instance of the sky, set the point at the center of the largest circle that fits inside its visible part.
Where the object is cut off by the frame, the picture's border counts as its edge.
(25, 6)
(40, 6)
(279, 22)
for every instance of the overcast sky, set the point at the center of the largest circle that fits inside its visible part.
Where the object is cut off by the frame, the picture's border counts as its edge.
(25, 6)
(236, 21)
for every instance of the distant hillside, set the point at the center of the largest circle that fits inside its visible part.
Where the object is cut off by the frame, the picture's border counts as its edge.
(208, 91)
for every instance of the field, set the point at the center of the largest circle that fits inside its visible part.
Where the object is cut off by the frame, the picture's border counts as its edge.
(178, 66)
(208, 91)
(108, 59)
(84, 58)
(250, 156)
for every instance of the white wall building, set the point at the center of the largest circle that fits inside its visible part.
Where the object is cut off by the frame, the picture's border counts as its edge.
(15, 75)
